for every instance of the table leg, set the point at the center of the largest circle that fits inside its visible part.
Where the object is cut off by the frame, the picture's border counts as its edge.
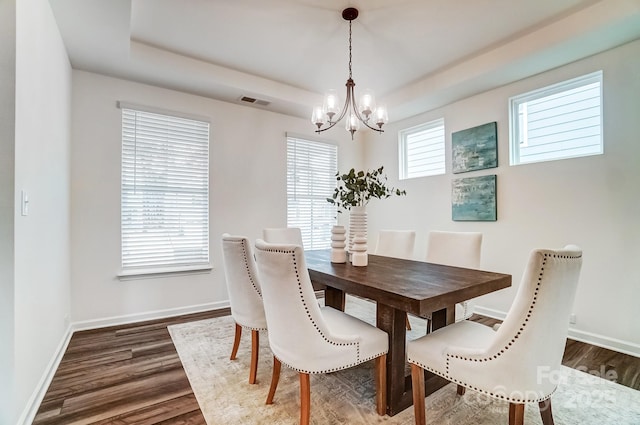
(393, 322)
(334, 298)
(442, 318)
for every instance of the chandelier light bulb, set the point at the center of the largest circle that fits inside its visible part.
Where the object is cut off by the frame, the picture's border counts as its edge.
(317, 117)
(331, 105)
(367, 104)
(382, 117)
(352, 124)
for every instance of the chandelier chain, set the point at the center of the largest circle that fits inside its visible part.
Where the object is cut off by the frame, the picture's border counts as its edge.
(350, 75)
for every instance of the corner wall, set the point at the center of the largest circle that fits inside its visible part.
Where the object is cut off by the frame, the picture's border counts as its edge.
(592, 201)
(8, 411)
(42, 141)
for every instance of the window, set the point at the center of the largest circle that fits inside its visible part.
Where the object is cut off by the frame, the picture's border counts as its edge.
(311, 179)
(422, 150)
(164, 193)
(557, 122)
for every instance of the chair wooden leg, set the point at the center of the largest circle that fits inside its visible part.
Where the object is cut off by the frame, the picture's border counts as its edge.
(417, 381)
(275, 377)
(407, 321)
(381, 385)
(545, 412)
(236, 342)
(255, 344)
(461, 390)
(305, 399)
(516, 414)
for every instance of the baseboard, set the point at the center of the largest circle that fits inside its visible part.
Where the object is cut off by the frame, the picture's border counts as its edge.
(150, 315)
(29, 413)
(625, 347)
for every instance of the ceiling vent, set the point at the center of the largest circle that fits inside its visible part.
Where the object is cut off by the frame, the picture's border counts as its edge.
(254, 101)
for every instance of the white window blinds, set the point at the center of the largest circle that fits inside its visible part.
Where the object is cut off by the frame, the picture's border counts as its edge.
(165, 191)
(422, 150)
(311, 179)
(557, 122)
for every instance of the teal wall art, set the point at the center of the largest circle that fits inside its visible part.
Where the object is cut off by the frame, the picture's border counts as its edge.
(475, 148)
(474, 199)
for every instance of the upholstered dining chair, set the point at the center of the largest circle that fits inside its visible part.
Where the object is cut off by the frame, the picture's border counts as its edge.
(288, 235)
(397, 244)
(244, 295)
(458, 249)
(520, 361)
(306, 337)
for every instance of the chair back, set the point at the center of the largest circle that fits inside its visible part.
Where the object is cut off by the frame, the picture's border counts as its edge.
(243, 284)
(532, 338)
(458, 249)
(396, 243)
(283, 235)
(298, 334)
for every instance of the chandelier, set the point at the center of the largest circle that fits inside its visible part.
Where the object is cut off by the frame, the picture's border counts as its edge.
(365, 111)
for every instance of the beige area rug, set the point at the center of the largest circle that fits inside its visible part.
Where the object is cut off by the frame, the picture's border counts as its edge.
(347, 397)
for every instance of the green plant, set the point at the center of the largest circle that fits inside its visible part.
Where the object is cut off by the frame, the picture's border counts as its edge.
(356, 188)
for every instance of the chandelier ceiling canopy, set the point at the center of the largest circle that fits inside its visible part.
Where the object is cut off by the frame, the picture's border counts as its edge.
(365, 111)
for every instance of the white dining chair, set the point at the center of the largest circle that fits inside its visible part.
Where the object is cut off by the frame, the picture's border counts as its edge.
(520, 361)
(306, 337)
(458, 249)
(245, 297)
(288, 235)
(397, 244)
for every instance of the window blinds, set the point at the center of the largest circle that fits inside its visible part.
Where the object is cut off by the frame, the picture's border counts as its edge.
(561, 121)
(165, 191)
(422, 150)
(311, 179)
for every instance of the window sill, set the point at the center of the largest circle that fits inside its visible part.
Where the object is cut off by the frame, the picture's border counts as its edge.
(134, 274)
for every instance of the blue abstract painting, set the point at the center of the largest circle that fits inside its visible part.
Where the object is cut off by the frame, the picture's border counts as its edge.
(475, 148)
(474, 199)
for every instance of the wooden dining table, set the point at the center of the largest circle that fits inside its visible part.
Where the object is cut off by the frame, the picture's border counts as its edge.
(399, 286)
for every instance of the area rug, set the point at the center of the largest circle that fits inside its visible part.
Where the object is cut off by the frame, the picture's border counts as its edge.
(347, 397)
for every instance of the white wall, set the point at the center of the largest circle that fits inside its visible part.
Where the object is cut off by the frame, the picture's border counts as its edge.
(42, 141)
(247, 193)
(592, 201)
(8, 411)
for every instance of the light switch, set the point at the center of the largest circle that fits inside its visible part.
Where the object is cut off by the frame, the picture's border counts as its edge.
(25, 203)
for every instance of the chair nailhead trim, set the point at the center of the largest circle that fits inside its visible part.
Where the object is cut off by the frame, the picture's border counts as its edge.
(503, 350)
(315, 325)
(243, 243)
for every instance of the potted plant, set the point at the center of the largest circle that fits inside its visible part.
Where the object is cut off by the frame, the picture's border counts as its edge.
(354, 191)
(356, 188)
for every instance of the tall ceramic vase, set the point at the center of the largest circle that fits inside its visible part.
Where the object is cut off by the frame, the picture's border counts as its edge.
(357, 224)
(338, 243)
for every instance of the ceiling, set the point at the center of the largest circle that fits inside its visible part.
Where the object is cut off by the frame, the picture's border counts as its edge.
(415, 54)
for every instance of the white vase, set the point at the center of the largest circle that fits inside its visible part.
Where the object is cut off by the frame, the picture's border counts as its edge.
(338, 244)
(359, 256)
(357, 224)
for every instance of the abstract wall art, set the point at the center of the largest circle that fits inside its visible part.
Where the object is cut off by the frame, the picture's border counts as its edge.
(475, 148)
(474, 199)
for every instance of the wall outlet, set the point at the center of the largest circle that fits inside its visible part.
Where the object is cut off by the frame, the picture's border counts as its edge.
(572, 319)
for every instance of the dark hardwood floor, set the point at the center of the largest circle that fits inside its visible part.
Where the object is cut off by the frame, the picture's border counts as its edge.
(131, 374)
